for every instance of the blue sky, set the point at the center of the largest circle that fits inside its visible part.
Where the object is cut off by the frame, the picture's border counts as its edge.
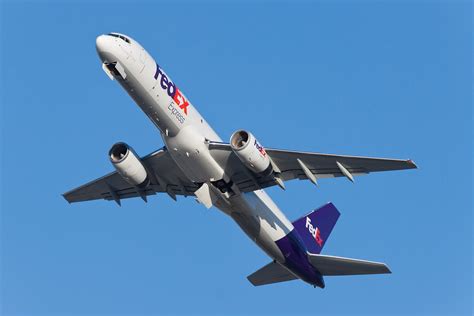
(382, 78)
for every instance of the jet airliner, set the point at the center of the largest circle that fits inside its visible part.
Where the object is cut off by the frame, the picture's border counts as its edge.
(230, 176)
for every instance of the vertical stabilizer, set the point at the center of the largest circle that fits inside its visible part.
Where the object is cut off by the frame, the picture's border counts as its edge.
(315, 227)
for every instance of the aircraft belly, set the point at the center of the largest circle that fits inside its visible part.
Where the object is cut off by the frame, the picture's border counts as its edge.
(192, 155)
(261, 220)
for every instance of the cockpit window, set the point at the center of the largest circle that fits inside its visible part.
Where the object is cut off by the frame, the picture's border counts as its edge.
(119, 36)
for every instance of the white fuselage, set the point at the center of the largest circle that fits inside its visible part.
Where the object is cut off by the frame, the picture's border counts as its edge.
(185, 132)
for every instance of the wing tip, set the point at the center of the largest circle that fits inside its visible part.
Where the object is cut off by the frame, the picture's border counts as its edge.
(65, 196)
(251, 281)
(386, 269)
(412, 164)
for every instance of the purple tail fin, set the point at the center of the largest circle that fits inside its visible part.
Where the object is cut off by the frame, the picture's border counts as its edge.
(315, 227)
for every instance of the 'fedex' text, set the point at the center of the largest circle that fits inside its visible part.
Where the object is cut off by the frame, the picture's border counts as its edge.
(314, 231)
(173, 91)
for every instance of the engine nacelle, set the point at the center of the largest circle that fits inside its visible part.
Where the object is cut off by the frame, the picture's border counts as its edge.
(128, 165)
(250, 152)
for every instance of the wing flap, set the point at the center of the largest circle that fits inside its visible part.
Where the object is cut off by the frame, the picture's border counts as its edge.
(331, 265)
(271, 273)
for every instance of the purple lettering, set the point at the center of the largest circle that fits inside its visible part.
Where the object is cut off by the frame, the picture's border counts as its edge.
(158, 72)
(171, 89)
(164, 82)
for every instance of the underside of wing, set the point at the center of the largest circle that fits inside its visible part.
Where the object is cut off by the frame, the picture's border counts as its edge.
(163, 173)
(301, 165)
(328, 165)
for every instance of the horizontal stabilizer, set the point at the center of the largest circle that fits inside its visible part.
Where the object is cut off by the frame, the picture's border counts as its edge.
(271, 273)
(330, 265)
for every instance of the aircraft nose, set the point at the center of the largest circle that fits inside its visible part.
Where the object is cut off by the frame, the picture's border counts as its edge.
(104, 45)
(100, 42)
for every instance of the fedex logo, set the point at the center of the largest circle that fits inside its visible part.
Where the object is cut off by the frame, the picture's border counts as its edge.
(171, 89)
(260, 148)
(314, 231)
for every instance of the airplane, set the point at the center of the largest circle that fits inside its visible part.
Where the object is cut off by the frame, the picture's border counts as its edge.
(229, 176)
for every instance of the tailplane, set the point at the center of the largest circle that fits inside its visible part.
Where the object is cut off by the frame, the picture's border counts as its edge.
(331, 265)
(315, 227)
(271, 273)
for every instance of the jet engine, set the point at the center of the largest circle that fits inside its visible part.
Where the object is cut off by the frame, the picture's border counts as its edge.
(128, 165)
(250, 152)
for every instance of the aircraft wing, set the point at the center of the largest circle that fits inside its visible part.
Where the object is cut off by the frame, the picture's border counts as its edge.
(164, 176)
(302, 165)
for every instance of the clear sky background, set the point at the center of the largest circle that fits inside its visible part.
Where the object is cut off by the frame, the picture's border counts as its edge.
(382, 78)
